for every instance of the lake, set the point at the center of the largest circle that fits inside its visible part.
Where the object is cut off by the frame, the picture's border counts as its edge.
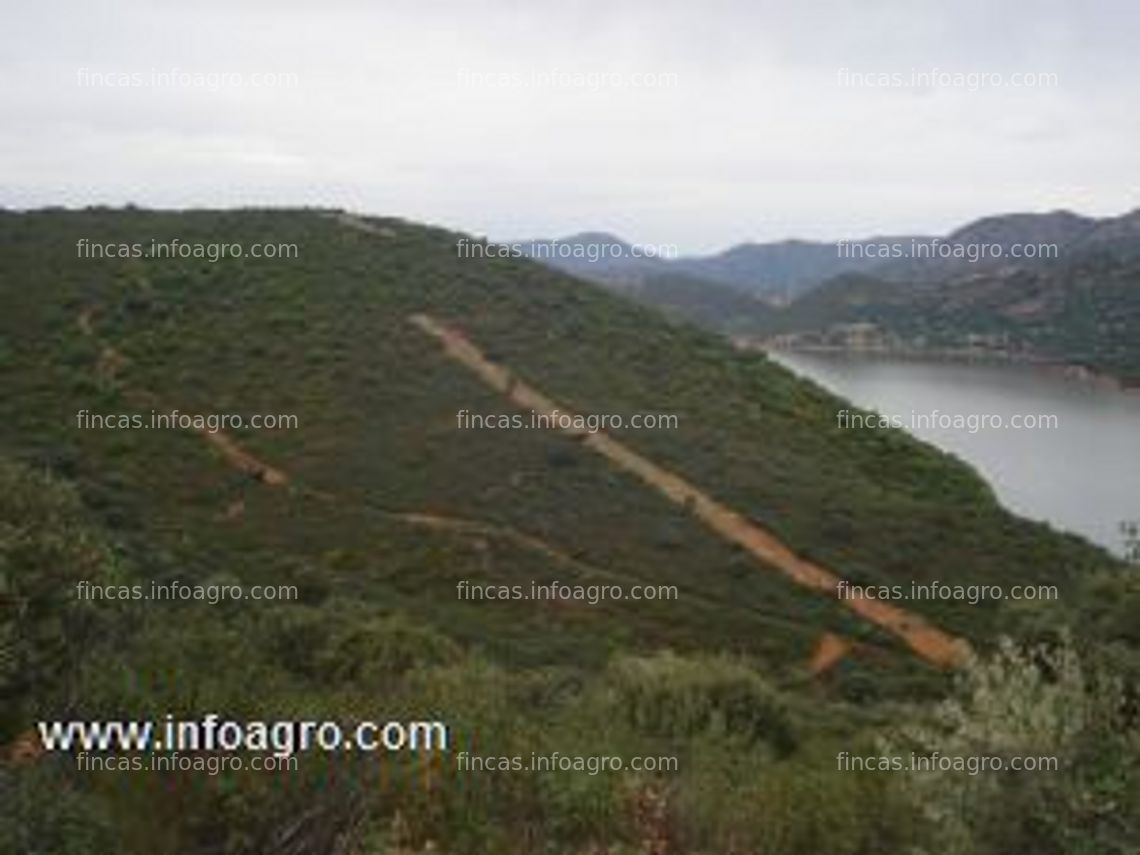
(1078, 469)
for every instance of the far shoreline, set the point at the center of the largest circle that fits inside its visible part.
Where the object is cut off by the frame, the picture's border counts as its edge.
(1057, 368)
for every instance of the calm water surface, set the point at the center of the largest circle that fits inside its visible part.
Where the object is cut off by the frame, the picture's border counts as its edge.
(1082, 475)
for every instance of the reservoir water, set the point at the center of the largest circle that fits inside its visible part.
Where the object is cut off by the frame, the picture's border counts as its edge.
(1078, 468)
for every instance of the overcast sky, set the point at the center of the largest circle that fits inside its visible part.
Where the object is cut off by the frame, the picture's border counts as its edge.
(699, 124)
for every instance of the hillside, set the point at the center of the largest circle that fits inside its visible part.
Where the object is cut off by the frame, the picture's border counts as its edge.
(1083, 312)
(376, 506)
(701, 301)
(1076, 302)
(783, 270)
(598, 256)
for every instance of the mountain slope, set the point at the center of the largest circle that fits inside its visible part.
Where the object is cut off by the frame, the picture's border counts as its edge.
(597, 256)
(1084, 312)
(274, 336)
(785, 269)
(382, 503)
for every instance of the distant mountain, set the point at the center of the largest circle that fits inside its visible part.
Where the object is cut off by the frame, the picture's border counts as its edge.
(1085, 314)
(1117, 236)
(1056, 286)
(1061, 227)
(598, 256)
(665, 285)
(1080, 308)
(776, 272)
(783, 270)
(990, 244)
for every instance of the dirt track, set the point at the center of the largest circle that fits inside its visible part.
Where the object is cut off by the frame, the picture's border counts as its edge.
(109, 365)
(929, 642)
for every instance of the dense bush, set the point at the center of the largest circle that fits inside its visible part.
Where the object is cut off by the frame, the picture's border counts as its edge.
(1038, 701)
(47, 547)
(680, 698)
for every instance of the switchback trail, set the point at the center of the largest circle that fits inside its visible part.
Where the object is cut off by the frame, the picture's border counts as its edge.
(927, 641)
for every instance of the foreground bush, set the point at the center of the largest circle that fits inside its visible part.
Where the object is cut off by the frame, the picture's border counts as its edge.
(1039, 701)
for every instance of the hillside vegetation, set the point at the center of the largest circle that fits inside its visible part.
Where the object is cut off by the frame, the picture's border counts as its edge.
(1083, 312)
(385, 505)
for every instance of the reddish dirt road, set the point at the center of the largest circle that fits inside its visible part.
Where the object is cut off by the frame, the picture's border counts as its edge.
(927, 641)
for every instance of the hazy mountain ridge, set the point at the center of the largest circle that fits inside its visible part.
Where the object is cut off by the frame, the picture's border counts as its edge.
(780, 271)
(1074, 300)
(599, 256)
(1081, 308)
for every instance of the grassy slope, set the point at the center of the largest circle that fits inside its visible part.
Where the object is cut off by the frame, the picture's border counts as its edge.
(325, 337)
(378, 630)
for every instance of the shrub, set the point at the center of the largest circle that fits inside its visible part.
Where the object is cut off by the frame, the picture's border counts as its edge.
(1035, 701)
